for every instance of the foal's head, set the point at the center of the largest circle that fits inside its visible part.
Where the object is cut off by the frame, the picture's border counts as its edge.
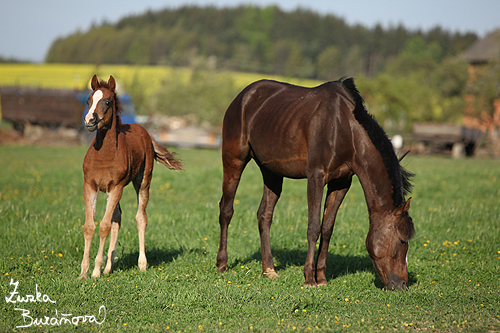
(387, 244)
(102, 104)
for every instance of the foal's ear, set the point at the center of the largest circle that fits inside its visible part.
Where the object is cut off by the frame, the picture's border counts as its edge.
(405, 207)
(94, 84)
(112, 83)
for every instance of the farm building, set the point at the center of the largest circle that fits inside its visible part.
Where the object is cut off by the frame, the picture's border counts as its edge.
(482, 100)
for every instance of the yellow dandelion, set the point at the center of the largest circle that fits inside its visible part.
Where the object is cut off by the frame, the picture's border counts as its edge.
(60, 255)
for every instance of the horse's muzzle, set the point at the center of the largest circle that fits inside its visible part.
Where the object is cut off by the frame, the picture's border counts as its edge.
(396, 283)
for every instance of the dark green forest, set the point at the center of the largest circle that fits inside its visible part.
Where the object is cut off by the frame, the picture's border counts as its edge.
(404, 75)
(299, 43)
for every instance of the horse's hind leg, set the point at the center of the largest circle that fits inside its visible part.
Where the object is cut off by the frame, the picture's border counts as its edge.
(335, 195)
(90, 198)
(315, 184)
(232, 169)
(114, 197)
(141, 186)
(273, 185)
(115, 228)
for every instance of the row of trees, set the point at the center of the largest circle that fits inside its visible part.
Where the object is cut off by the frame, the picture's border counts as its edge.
(404, 75)
(300, 43)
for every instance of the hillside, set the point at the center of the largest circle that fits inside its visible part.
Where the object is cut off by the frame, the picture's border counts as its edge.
(266, 40)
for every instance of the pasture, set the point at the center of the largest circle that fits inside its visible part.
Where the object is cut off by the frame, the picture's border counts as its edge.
(453, 262)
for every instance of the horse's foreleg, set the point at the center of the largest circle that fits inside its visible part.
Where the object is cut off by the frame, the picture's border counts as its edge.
(114, 197)
(272, 190)
(90, 198)
(335, 195)
(230, 182)
(315, 185)
(115, 228)
(142, 220)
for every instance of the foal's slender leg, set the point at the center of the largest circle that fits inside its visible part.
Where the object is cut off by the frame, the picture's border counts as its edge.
(335, 195)
(90, 198)
(114, 197)
(273, 185)
(142, 188)
(116, 222)
(233, 168)
(315, 184)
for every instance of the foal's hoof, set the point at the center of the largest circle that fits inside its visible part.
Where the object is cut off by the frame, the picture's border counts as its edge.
(221, 269)
(96, 273)
(271, 274)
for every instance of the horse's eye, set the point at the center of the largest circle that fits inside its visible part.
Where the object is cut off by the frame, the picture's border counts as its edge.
(403, 242)
(108, 103)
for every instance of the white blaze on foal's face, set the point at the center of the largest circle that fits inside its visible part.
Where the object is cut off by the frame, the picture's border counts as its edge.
(95, 100)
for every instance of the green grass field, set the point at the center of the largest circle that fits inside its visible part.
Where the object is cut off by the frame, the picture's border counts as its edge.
(454, 260)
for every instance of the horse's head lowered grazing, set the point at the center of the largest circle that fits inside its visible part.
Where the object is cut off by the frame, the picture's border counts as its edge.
(326, 135)
(387, 244)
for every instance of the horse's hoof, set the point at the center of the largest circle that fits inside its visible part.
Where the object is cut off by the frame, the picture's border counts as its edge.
(271, 274)
(311, 284)
(82, 277)
(221, 269)
(322, 283)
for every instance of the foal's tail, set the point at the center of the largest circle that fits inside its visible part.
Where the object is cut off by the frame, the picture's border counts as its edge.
(168, 159)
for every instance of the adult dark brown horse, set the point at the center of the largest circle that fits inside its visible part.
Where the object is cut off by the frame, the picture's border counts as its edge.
(120, 154)
(323, 134)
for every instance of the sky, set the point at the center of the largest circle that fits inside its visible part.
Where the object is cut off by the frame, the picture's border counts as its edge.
(28, 27)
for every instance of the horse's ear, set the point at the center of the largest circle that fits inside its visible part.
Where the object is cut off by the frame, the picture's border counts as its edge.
(94, 84)
(405, 207)
(112, 83)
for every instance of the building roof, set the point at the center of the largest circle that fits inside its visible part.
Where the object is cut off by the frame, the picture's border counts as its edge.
(484, 50)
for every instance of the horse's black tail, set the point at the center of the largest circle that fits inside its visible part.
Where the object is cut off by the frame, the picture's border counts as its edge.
(168, 159)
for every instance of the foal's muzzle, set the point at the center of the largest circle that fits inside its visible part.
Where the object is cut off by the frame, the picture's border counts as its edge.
(93, 123)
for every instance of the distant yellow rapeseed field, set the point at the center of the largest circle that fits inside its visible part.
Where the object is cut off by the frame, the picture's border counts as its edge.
(76, 76)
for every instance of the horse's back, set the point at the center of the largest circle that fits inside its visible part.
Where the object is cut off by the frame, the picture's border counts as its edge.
(283, 123)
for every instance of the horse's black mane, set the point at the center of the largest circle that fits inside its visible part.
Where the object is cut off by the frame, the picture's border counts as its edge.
(399, 176)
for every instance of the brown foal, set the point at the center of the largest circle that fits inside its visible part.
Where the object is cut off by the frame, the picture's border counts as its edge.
(120, 154)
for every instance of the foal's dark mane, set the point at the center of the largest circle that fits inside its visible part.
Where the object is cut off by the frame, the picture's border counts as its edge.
(399, 177)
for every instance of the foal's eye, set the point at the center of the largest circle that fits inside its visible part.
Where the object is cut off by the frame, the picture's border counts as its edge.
(108, 103)
(403, 242)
